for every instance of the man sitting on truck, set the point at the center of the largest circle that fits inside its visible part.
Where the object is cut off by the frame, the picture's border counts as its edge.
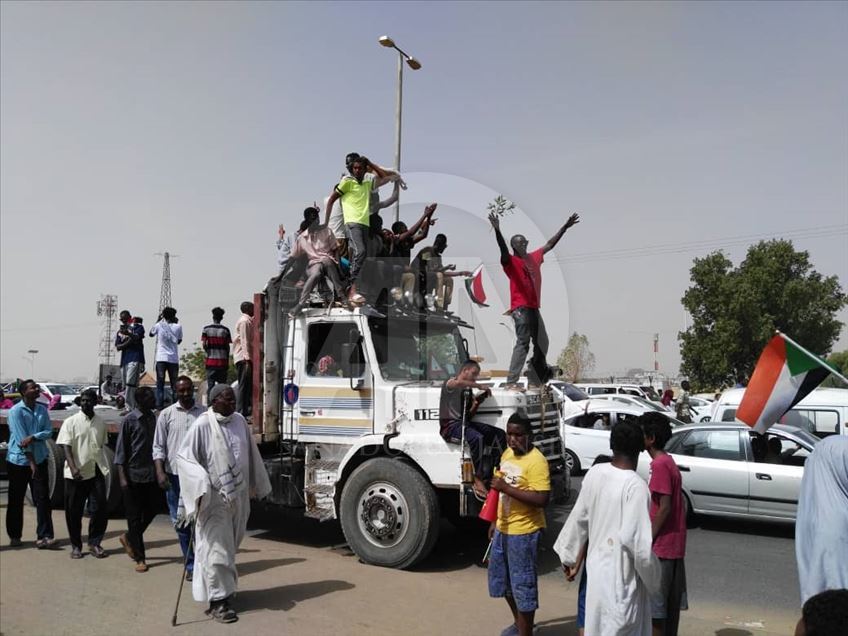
(433, 275)
(318, 245)
(456, 408)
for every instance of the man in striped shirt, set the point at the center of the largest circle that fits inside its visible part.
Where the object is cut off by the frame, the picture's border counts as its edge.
(171, 428)
(216, 341)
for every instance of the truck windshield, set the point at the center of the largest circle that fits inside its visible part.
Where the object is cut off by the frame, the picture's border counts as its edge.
(409, 350)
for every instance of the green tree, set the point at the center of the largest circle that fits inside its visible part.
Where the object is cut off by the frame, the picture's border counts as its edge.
(576, 360)
(839, 361)
(735, 310)
(193, 364)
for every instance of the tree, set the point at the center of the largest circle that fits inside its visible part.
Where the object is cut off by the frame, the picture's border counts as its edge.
(576, 361)
(839, 361)
(735, 311)
(193, 364)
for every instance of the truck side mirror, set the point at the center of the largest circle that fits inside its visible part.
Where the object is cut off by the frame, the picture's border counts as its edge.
(351, 363)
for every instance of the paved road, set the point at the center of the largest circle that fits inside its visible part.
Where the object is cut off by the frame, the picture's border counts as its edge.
(298, 577)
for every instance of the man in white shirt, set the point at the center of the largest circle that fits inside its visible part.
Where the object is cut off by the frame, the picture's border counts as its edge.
(82, 437)
(171, 427)
(612, 514)
(169, 335)
(241, 356)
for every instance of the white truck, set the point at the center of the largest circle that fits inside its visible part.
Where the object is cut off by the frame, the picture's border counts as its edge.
(346, 411)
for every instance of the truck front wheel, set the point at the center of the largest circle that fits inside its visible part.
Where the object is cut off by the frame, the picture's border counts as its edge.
(389, 513)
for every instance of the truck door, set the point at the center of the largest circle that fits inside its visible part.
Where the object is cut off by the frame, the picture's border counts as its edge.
(335, 395)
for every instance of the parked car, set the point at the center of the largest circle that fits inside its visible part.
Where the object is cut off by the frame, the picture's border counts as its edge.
(600, 389)
(823, 412)
(634, 400)
(726, 472)
(67, 394)
(587, 434)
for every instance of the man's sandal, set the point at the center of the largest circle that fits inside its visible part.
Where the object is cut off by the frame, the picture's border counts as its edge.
(222, 614)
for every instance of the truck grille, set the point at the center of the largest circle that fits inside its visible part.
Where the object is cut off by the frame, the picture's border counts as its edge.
(547, 438)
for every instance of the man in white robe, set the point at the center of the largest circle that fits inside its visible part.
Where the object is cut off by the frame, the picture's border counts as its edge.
(220, 469)
(611, 513)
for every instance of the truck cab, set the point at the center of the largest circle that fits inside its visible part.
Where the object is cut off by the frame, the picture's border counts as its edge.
(347, 413)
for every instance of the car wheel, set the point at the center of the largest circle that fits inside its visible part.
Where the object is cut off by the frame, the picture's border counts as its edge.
(572, 463)
(689, 514)
(389, 513)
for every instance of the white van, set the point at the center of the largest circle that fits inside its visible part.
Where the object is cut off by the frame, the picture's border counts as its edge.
(823, 412)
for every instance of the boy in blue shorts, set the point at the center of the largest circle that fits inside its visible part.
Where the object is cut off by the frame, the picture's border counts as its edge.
(524, 484)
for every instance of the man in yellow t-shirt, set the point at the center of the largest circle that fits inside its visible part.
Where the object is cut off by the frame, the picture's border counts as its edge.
(524, 484)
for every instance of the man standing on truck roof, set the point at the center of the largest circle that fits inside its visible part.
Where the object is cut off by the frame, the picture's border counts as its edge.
(171, 428)
(457, 405)
(82, 437)
(354, 192)
(220, 470)
(130, 342)
(241, 355)
(216, 340)
(523, 269)
(29, 428)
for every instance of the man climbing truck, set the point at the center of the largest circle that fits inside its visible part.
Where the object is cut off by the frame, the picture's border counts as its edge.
(346, 409)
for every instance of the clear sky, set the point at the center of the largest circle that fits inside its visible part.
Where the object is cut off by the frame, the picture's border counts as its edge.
(134, 128)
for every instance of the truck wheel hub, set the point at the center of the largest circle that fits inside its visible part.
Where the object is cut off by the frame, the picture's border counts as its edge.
(382, 516)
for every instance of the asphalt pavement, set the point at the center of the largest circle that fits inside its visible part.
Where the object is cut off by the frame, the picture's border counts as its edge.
(298, 576)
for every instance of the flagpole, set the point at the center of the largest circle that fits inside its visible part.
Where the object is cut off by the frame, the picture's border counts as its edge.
(814, 356)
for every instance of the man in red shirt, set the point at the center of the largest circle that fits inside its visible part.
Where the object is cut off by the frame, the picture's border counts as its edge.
(525, 291)
(668, 525)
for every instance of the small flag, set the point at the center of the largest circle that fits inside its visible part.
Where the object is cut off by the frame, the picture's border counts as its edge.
(785, 374)
(474, 287)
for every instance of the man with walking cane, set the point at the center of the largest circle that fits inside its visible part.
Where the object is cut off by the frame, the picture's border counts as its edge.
(220, 469)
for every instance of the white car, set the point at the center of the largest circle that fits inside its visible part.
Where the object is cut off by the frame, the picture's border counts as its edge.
(725, 473)
(587, 434)
(634, 400)
(67, 394)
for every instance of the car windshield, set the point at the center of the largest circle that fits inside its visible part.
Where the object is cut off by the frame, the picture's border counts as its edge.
(571, 392)
(410, 350)
(806, 437)
(61, 389)
(647, 404)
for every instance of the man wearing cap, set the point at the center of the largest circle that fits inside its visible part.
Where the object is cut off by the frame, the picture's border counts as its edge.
(220, 469)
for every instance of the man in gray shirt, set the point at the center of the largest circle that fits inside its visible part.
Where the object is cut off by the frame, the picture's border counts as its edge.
(137, 474)
(171, 428)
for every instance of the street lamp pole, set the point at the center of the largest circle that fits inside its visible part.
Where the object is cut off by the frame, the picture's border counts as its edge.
(414, 65)
(398, 127)
(32, 353)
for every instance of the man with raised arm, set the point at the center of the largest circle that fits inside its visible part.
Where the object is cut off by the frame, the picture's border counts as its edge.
(354, 192)
(523, 269)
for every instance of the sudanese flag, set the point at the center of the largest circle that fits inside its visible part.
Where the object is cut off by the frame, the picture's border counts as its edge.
(474, 287)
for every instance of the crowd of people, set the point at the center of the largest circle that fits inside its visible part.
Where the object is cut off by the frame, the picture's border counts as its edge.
(625, 538)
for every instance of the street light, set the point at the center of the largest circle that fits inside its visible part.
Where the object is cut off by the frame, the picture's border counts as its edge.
(414, 64)
(31, 359)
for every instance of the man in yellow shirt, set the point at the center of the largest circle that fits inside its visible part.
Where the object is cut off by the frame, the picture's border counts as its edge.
(82, 437)
(355, 191)
(524, 484)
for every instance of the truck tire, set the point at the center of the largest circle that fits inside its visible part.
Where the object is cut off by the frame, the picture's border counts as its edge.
(114, 496)
(389, 513)
(55, 477)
